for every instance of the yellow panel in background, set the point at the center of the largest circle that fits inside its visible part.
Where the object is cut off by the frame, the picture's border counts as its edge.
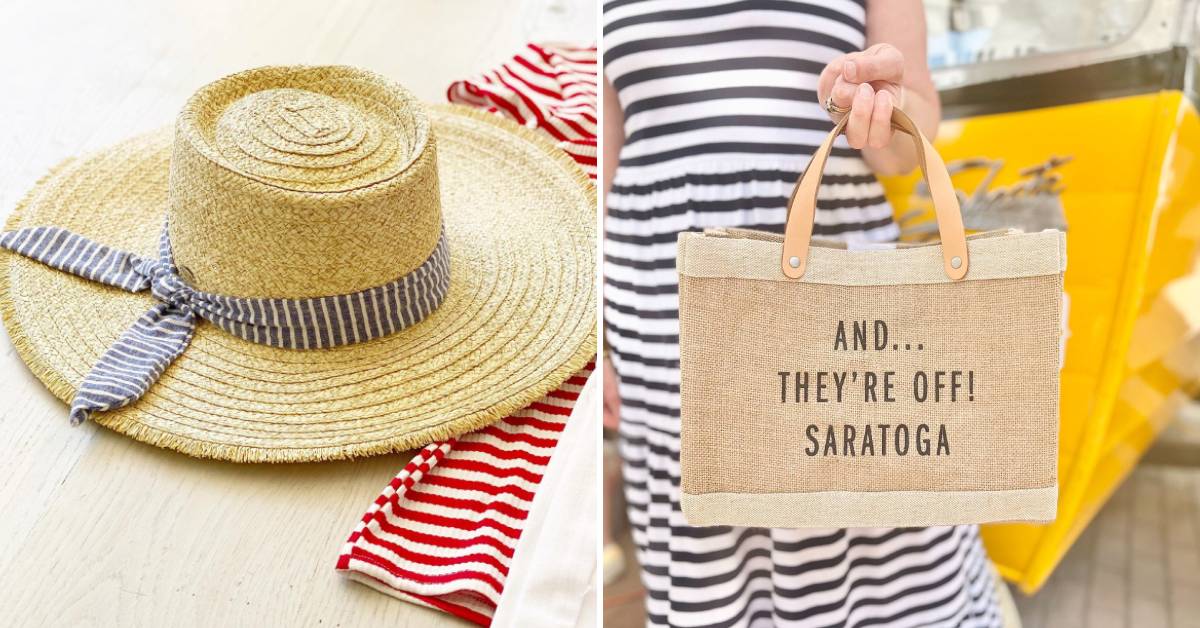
(1074, 391)
(1131, 200)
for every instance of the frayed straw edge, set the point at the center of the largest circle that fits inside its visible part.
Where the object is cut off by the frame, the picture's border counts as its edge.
(64, 390)
(56, 383)
(411, 440)
(531, 135)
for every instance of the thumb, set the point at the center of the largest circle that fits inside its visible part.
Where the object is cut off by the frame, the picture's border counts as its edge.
(879, 63)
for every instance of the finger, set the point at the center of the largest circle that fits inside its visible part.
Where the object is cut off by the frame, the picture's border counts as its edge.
(887, 86)
(882, 62)
(612, 392)
(881, 121)
(843, 93)
(612, 405)
(859, 123)
(612, 417)
(850, 66)
(828, 77)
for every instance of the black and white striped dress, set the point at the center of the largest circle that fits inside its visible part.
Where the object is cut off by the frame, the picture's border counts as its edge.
(721, 115)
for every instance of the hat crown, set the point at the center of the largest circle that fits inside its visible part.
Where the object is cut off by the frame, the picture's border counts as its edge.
(299, 181)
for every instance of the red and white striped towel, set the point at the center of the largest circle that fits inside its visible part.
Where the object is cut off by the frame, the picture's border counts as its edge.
(551, 87)
(443, 533)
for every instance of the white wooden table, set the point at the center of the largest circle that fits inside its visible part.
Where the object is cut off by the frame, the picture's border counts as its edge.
(96, 529)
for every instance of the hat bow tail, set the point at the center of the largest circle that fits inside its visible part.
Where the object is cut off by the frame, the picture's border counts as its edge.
(127, 369)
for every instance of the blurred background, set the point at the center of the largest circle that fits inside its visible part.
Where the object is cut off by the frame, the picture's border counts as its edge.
(1078, 115)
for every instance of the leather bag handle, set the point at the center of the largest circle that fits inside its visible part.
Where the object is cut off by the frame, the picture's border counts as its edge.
(803, 205)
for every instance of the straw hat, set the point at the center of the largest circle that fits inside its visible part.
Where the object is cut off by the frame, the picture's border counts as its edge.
(295, 183)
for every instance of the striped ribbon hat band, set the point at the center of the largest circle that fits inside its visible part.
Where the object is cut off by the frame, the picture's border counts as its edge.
(127, 369)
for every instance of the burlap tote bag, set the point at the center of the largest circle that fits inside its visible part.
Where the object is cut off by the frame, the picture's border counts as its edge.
(890, 385)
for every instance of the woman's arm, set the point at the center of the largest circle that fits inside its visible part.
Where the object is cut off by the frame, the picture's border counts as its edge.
(891, 72)
(614, 138)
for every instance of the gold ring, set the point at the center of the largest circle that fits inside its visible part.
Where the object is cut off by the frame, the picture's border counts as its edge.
(831, 107)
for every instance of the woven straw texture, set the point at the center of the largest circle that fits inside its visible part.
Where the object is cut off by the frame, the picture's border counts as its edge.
(994, 255)
(308, 182)
(849, 509)
(736, 422)
(293, 182)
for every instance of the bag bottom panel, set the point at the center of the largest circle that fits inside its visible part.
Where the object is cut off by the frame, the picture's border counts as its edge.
(851, 509)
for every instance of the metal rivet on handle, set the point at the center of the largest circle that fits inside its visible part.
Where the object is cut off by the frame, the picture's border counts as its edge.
(794, 262)
(955, 262)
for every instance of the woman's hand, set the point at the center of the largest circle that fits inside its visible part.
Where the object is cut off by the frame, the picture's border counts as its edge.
(869, 84)
(612, 398)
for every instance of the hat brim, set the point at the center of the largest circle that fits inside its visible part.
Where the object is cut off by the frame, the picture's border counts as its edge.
(518, 320)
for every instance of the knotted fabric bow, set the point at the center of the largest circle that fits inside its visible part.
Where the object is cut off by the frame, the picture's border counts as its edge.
(130, 366)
